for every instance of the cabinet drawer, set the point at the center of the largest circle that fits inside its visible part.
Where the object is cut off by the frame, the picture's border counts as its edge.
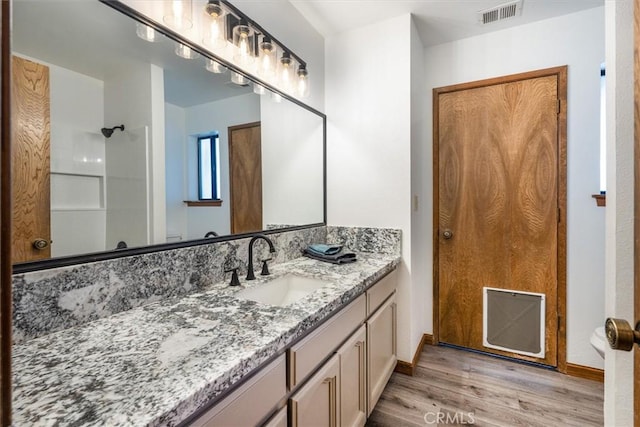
(306, 355)
(253, 401)
(379, 292)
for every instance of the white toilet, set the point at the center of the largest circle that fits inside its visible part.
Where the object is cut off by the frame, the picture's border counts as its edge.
(599, 340)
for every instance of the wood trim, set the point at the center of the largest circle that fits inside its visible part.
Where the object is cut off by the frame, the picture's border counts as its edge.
(586, 372)
(501, 80)
(636, 156)
(561, 73)
(407, 368)
(5, 215)
(601, 199)
(201, 203)
(562, 220)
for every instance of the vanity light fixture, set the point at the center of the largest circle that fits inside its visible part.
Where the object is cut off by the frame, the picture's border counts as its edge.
(267, 58)
(215, 67)
(178, 14)
(259, 89)
(186, 52)
(286, 69)
(214, 25)
(243, 36)
(303, 82)
(146, 33)
(239, 79)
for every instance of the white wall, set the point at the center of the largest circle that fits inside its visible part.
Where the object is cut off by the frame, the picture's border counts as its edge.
(292, 190)
(618, 396)
(129, 101)
(369, 142)
(421, 188)
(78, 221)
(576, 40)
(175, 172)
(206, 118)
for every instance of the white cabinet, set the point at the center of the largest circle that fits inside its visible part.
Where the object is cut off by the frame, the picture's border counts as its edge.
(306, 355)
(353, 380)
(280, 419)
(317, 403)
(251, 402)
(358, 345)
(381, 349)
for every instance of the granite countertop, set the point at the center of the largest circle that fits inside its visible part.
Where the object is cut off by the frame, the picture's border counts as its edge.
(157, 364)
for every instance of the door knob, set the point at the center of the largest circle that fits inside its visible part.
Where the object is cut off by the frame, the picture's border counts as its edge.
(40, 244)
(447, 234)
(620, 335)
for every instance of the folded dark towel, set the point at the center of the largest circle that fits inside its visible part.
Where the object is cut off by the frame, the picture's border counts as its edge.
(341, 257)
(322, 249)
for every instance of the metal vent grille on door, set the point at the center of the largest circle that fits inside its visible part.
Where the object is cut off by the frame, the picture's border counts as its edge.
(514, 321)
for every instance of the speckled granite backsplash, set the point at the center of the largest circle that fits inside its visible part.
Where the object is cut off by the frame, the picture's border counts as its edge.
(359, 239)
(56, 299)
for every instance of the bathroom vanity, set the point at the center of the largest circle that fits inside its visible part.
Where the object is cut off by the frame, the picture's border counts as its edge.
(214, 358)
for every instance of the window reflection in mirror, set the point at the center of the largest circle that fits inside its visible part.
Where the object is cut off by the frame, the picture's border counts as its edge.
(134, 186)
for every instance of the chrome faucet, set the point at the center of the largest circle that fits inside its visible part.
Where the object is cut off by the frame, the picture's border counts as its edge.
(272, 249)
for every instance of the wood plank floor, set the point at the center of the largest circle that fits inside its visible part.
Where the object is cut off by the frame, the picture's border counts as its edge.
(469, 388)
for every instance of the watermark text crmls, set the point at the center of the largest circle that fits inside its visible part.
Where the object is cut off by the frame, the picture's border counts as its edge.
(459, 418)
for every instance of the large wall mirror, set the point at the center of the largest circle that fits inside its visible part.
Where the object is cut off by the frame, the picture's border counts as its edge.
(119, 143)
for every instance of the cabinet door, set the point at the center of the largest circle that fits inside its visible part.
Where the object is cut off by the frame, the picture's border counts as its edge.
(279, 419)
(381, 349)
(353, 380)
(317, 403)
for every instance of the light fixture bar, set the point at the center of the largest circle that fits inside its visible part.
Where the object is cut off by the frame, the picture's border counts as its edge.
(241, 16)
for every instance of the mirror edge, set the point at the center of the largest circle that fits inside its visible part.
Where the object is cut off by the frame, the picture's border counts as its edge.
(66, 261)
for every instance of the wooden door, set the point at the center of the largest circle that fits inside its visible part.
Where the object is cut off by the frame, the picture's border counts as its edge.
(6, 302)
(30, 160)
(245, 182)
(499, 219)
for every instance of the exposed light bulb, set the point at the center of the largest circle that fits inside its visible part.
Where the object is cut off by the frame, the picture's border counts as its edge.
(214, 25)
(303, 82)
(259, 89)
(243, 39)
(215, 67)
(186, 52)
(145, 32)
(267, 58)
(286, 71)
(239, 79)
(178, 14)
(176, 7)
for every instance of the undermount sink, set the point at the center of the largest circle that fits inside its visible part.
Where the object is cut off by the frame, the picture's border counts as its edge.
(283, 290)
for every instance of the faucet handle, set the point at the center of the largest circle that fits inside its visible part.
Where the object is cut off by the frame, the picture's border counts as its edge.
(265, 267)
(234, 276)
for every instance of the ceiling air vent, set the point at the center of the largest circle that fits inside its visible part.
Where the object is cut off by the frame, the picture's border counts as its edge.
(499, 13)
